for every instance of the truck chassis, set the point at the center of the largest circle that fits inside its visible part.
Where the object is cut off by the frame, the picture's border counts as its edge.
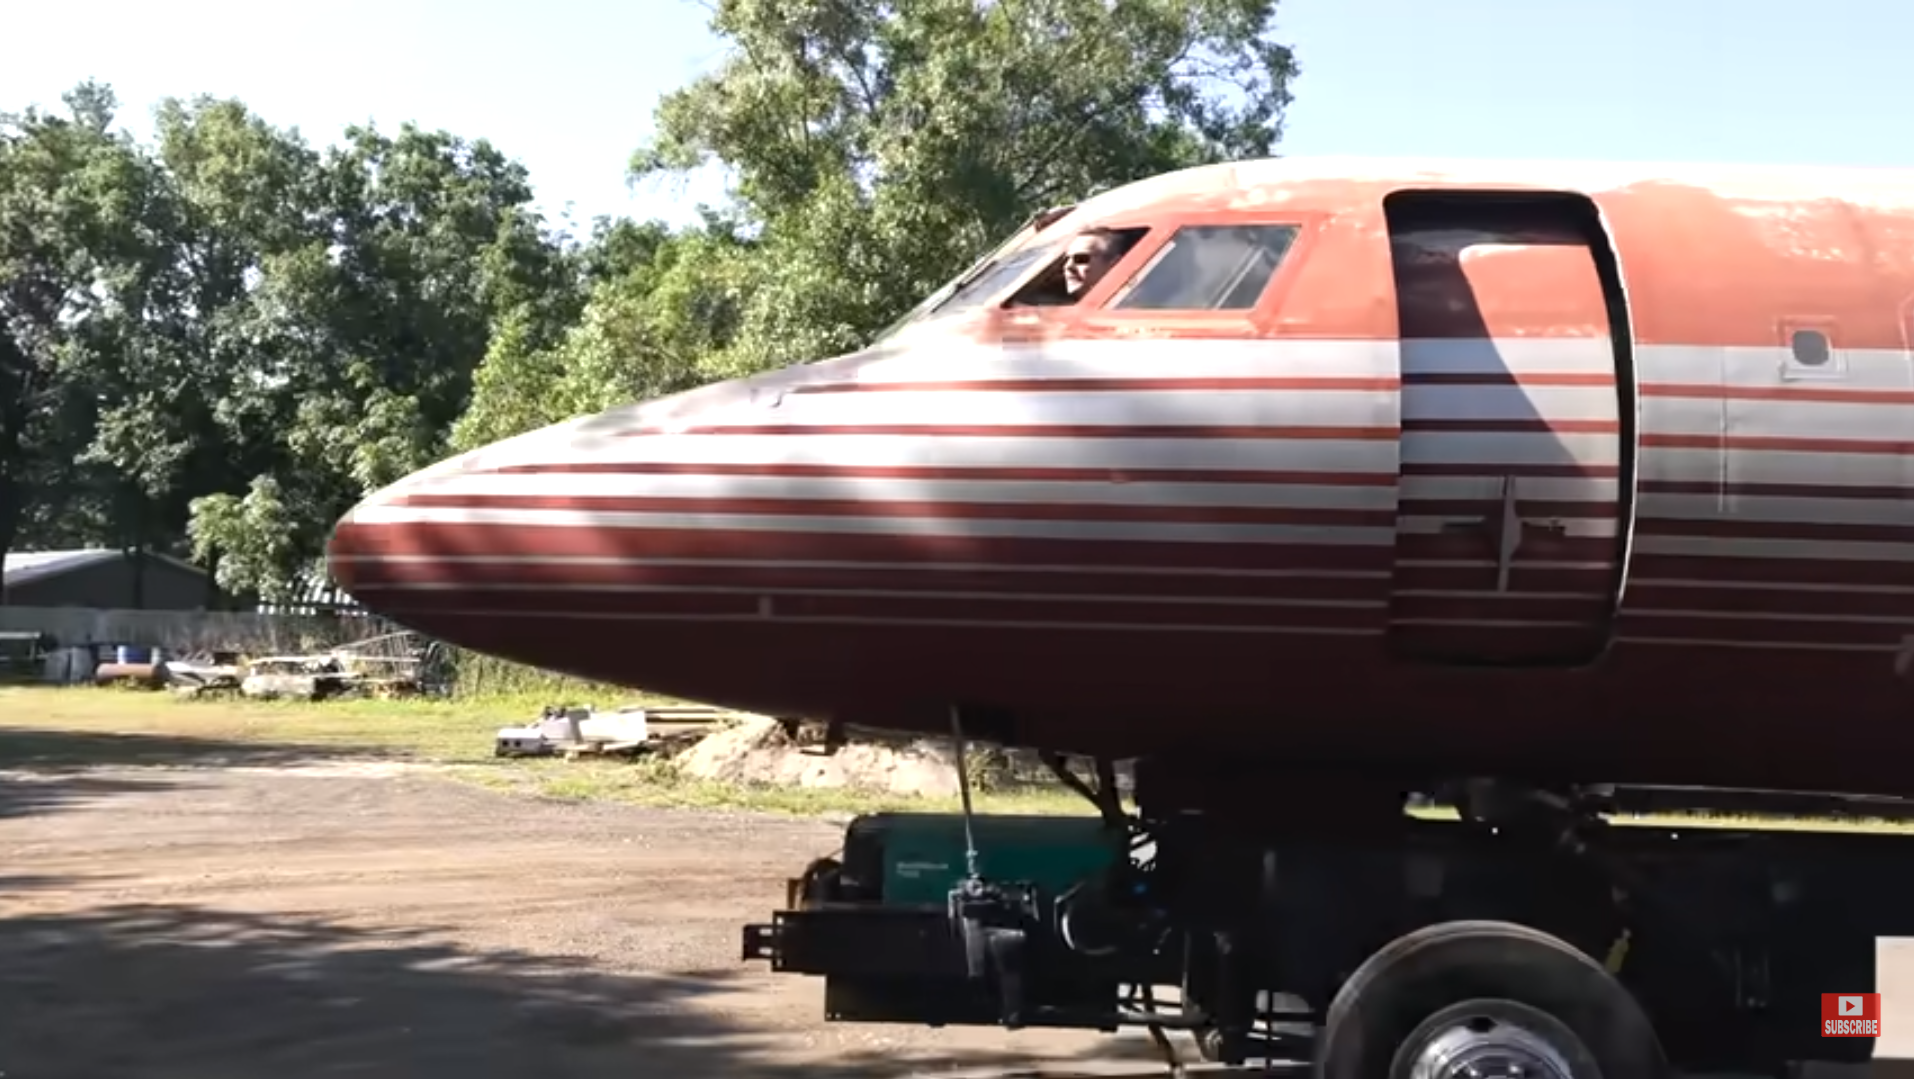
(1306, 921)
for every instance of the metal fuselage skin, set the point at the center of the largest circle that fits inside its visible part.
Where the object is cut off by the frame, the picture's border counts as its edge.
(1591, 472)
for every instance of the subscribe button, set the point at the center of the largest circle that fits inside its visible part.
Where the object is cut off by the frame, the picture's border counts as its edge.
(1850, 1015)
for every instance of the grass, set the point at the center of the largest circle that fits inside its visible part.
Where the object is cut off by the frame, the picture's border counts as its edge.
(94, 726)
(81, 726)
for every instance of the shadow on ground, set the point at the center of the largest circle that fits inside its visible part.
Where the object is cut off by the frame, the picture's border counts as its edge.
(43, 770)
(179, 992)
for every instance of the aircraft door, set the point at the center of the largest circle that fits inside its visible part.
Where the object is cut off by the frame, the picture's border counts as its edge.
(1517, 429)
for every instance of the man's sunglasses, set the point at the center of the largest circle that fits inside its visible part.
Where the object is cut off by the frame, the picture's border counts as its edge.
(1078, 258)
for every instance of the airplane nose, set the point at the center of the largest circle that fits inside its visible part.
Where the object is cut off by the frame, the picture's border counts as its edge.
(559, 547)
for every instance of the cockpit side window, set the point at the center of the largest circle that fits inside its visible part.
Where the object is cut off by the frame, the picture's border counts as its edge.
(1209, 268)
(993, 281)
(1080, 262)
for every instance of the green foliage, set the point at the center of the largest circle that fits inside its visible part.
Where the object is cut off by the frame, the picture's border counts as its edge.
(217, 343)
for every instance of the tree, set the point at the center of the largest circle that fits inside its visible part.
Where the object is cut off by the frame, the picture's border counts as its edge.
(881, 145)
(364, 329)
(85, 221)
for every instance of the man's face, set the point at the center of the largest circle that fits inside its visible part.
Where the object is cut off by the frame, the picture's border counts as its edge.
(1085, 262)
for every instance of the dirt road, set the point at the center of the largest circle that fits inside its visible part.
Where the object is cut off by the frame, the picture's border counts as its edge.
(248, 916)
(281, 920)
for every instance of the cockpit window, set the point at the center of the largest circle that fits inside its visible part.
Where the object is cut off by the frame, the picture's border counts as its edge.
(1209, 268)
(992, 281)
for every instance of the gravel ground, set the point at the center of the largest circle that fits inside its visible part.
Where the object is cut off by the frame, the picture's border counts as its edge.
(298, 920)
(371, 921)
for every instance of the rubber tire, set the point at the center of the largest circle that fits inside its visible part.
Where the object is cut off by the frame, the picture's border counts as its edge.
(1420, 973)
(1575, 1053)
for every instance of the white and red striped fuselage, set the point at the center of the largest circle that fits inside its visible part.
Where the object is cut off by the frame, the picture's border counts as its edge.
(1478, 486)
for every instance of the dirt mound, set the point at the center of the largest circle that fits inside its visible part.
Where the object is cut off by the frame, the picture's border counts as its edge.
(757, 751)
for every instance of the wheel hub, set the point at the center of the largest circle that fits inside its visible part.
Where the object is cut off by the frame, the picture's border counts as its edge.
(1485, 1048)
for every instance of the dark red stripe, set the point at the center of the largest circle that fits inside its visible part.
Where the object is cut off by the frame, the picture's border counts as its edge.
(1512, 426)
(1099, 476)
(1488, 644)
(1045, 430)
(962, 608)
(1537, 546)
(1646, 595)
(556, 540)
(1530, 509)
(1730, 628)
(1823, 394)
(899, 510)
(1727, 569)
(1713, 489)
(1666, 441)
(1481, 575)
(1519, 471)
(770, 578)
(1590, 379)
(1584, 610)
(1221, 384)
(1788, 530)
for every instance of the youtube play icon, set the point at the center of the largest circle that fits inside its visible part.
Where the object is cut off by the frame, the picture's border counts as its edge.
(1850, 1015)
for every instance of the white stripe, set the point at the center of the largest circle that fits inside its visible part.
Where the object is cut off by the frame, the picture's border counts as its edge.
(1713, 365)
(1303, 455)
(1491, 449)
(892, 567)
(1776, 419)
(1116, 408)
(860, 489)
(1503, 355)
(1813, 550)
(1509, 403)
(1777, 466)
(900, 527)
(921, 623)
(779, 591)
(933, 361)
(1747, 509)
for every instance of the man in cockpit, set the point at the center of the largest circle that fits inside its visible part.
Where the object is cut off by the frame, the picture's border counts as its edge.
(1088, 258)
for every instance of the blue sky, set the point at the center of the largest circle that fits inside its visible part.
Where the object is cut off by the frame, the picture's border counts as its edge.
(567, 86)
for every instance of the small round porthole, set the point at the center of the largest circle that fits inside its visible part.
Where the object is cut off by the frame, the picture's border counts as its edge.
(1810, 348)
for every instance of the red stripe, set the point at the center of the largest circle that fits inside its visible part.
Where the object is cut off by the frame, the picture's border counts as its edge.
(1099, 476)
(1789, 530)
(1047, 430)
(1825, 394)
(1652, 440)
(1222, 384)
(959, 608)
(900, 510)
(419, 538)
(770, 577)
